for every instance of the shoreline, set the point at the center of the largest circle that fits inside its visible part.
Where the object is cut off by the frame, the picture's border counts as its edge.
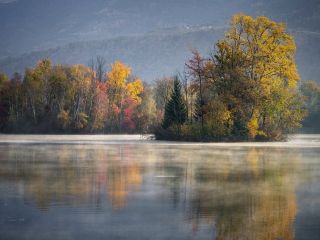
(294, 141)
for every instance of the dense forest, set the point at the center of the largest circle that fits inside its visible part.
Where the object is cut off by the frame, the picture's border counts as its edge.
(248, 88)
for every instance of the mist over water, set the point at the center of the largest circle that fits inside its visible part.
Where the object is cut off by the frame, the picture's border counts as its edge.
(130, 187)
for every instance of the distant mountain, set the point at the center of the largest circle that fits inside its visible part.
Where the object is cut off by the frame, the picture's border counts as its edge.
(151, 55)
(30, 25)
(154, 37)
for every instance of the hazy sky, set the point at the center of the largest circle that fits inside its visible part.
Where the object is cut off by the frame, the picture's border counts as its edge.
(6, 1)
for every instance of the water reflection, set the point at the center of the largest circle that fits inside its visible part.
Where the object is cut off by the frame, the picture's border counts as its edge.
(251, 198)
(210, 192)
(72, 175)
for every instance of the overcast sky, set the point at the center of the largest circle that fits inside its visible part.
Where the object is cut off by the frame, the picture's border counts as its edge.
(6, 1)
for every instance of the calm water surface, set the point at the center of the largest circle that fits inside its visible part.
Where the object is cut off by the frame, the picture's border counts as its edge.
(125, 187)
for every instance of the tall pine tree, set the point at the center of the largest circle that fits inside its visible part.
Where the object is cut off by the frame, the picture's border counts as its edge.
(175, 109)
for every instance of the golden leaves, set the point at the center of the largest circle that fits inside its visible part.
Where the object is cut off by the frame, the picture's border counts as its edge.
(118, 75)
(264, 46)
(134, 89)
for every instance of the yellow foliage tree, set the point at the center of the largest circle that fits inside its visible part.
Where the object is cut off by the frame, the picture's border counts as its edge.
(134, 89)
(118, 75)
(82, 79)
(257, 63)
(265, 48)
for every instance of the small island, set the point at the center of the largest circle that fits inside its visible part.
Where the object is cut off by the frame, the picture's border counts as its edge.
(247, 89)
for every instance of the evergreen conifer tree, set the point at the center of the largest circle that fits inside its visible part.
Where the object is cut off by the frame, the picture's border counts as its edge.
(175, 109)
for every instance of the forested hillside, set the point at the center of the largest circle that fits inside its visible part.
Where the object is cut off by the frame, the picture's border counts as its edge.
(151, 56)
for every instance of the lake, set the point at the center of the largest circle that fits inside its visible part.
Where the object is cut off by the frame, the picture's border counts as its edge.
(128, 187)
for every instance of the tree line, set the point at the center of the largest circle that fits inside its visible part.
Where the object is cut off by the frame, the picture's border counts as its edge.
(75, 98)
(248, 88)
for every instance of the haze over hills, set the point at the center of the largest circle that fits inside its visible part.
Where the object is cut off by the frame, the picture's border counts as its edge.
(154, 37)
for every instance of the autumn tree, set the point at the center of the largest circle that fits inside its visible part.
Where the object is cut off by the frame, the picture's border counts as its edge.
(116, 82)
(86, 90)
(34, 85)
(197, 70)
(255, 64)
(145, 115)
(132, 99)
(100, 109)
(3, 80)
(124, 95)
